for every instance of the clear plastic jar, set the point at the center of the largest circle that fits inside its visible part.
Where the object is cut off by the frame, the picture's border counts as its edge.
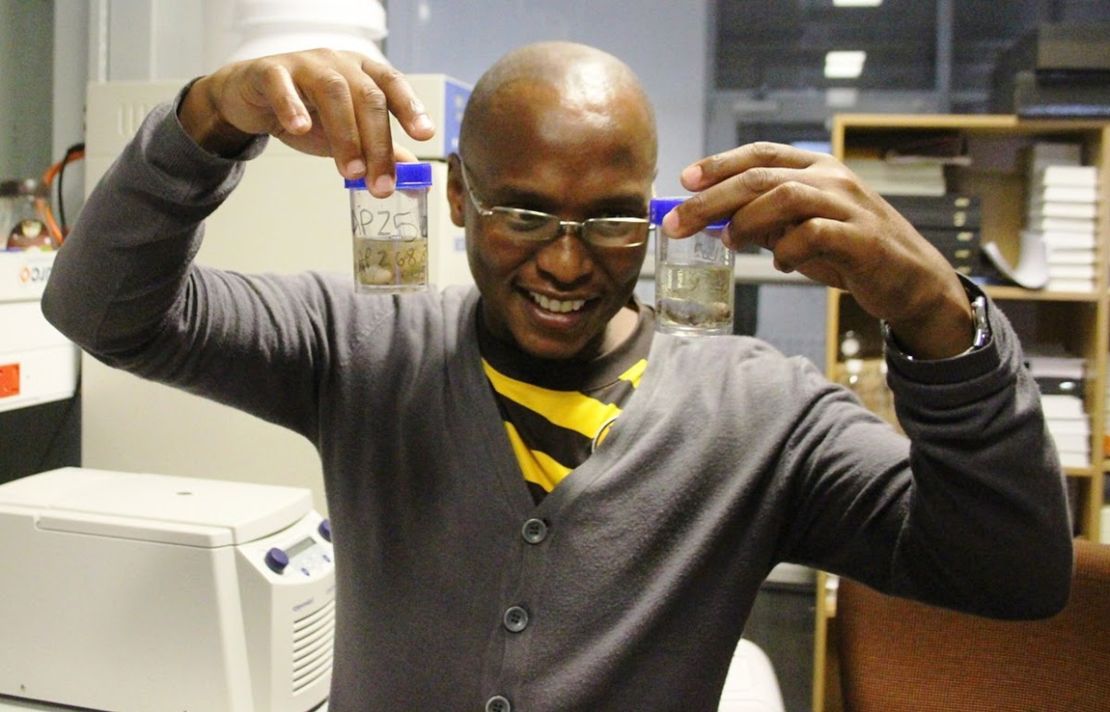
(21, 220)
(390, 235)
(694, 291)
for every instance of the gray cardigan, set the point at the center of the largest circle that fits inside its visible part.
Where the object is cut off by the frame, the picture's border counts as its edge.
(631, 595)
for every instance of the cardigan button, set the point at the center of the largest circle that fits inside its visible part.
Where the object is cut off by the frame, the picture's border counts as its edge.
(515, 619)
(534, 531)
(497, 703)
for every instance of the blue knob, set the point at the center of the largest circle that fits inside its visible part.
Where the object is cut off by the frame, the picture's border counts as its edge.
(277, 560)
(325, 529)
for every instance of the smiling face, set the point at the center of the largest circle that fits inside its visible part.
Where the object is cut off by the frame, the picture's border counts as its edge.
(579, 148)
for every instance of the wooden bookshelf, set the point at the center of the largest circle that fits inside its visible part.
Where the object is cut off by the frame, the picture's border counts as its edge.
(1078, 320)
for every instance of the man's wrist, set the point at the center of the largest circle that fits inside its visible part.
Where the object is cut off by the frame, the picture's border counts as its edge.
(981, 334)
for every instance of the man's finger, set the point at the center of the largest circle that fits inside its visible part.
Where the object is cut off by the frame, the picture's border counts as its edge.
(330, 94)
(722, 200)
(371, 111)
(772, 214)
(401, 98)
(716, 168)
(815, 240)
(280, 92)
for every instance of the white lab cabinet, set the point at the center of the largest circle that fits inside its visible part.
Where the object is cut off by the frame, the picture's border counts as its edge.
(37, 364)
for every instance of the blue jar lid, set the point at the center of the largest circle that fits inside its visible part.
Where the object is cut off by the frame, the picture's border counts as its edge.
(659, 207)
(409, 176)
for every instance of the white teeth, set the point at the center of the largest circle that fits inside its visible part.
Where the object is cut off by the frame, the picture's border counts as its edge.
(555, 305)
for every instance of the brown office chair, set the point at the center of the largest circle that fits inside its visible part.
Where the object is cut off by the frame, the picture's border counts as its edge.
(900, 655)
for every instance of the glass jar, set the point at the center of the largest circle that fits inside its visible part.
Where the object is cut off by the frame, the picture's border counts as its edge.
(694, 291)
(22, 221)
(390, 235)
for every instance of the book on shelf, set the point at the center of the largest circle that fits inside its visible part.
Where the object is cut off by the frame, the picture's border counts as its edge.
(1076, 427)
(1048, 362)
(1072, 272)
(945, 237)
(1069, 427)
(1086, 194)
(1060, 386)
(1065, 412)
(960, 247)
(1066, 175)
(1070, 285)
(889, 178)
(1074, 459)
(1062, 240)
(1063, 408)
(1085, 226)
(1068, 258)
(951, 210)
(1061, 215)
(1085, 211)
(1044, 154)
(1073, 443)
(944, 149)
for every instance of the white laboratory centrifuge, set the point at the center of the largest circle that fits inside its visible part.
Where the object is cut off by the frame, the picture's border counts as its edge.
(126, 591)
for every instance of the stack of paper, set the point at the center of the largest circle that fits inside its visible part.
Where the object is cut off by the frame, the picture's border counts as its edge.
(899, 178)
(1062, 210)
(1061, 380)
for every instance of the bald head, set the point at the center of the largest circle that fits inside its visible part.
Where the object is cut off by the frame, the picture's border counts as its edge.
(593, 88)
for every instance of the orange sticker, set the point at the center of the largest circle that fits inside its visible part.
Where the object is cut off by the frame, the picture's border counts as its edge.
(9, 380)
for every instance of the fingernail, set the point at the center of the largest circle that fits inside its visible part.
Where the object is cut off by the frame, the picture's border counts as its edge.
(356, 168)
(298, 123)
(692, 175)
(383, 184)
(423, 123)
(670, 223)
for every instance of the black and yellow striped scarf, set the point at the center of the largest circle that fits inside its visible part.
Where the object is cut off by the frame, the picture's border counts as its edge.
(557, 412)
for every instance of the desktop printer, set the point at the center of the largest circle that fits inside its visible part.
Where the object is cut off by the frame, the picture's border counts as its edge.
(133, 592)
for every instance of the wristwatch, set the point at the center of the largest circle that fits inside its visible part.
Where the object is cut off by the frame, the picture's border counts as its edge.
(982, 330)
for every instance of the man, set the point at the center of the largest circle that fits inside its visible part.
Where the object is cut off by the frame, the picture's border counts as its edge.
(540, 504)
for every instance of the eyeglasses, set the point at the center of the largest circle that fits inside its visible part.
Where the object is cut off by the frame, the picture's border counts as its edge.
(535, 227)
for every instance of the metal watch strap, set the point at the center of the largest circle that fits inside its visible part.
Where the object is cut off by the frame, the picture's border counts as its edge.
(982, 330)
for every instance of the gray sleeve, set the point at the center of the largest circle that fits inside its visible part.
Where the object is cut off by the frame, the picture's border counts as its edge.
(978, 521)
(129, 255)
(124, 286)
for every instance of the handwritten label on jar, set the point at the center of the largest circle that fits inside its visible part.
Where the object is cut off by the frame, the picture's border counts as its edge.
(384, 224)
(391, 249)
